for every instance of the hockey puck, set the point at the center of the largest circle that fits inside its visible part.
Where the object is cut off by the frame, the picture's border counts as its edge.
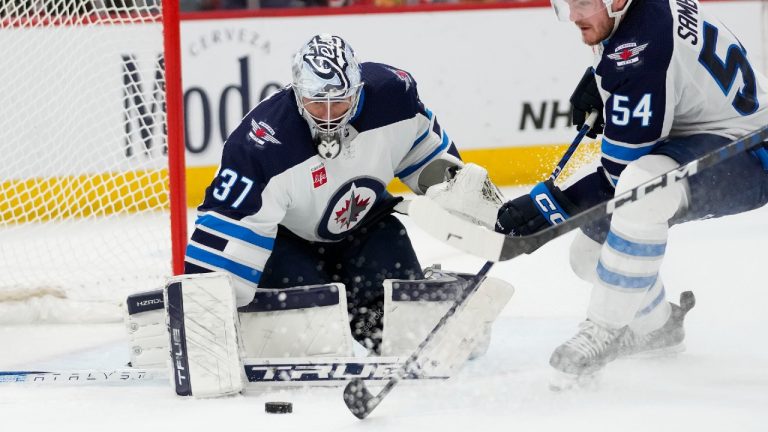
(278, 407)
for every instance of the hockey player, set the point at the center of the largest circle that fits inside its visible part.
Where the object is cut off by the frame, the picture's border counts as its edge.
(300, 197)
(671, 83)
(299, 207)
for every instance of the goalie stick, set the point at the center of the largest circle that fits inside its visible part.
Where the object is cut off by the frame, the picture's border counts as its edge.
(260, 373)
(494, 246)
(360, 401)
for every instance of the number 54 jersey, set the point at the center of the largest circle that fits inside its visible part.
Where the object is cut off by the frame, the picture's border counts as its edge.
(671, 70)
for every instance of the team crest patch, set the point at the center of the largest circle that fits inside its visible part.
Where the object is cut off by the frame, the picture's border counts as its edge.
(627, 53)
(404, 77)
(319, 176)
(353, 208)
(261, 133)
(348, 206)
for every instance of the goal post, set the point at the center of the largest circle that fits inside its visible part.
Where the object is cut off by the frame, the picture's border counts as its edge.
(92, 196)
(175, 119)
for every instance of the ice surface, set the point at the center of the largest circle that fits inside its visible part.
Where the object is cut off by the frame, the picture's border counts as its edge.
(720, 382)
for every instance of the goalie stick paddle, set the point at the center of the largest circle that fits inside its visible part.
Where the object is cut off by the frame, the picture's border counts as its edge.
(494, 246)
(362, 402)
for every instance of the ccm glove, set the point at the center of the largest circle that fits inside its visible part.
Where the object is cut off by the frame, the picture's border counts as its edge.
(584, 99)
(546, 205)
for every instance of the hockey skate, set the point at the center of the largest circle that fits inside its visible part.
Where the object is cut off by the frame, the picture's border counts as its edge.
(664, 341)
(579, 359)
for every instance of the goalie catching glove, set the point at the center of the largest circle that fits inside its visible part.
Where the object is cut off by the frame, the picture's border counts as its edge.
(469, 193)
(544, 206)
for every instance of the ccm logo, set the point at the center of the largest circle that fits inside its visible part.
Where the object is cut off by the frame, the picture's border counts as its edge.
(549, 209)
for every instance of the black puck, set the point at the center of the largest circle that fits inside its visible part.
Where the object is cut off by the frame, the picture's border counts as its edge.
(278, 407)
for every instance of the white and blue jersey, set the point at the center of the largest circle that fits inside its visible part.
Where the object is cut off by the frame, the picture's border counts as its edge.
(670, 70)
(271, 174)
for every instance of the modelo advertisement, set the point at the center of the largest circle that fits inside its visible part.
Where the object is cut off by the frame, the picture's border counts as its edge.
(498, 79)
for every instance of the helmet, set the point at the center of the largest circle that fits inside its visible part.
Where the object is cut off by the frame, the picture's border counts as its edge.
(327, 85)
(572, 10)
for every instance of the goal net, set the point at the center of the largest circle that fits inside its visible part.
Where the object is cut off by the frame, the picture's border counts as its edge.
(84, 179)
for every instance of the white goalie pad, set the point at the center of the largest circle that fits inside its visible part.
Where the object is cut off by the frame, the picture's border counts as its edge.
(203, 330)
(413, 308)
(308, 321)
(147, 332)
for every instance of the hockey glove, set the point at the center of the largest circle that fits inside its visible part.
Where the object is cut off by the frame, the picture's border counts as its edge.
(584, 99)
(546, 205)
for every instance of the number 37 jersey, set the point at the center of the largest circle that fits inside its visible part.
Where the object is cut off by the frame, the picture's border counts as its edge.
(271, 175)
(672, 70)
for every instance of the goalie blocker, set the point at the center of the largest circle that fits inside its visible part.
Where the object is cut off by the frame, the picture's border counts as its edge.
(209, 336)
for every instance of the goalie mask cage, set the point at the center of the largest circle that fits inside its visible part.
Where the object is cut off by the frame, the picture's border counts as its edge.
(92, 203)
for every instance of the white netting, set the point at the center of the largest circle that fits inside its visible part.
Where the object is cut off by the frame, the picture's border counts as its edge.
(83, 178)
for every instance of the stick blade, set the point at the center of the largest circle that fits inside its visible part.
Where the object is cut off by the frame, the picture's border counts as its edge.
(359, 400)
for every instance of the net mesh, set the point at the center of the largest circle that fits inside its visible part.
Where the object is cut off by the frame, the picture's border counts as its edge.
(84, 180)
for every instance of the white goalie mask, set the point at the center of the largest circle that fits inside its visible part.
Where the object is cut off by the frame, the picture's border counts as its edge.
(327, 85)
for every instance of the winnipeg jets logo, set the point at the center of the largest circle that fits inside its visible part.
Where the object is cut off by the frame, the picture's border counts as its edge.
(627, 53)
(404, 77)
(353, 207)
(348, 206)
(326, 57)
(261, 133)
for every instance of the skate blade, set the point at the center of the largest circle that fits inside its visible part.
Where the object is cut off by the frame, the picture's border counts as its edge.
(562, 381)
(665, 352)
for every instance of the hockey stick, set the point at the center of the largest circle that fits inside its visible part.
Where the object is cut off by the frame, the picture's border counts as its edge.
(362, 402)
(493, 246)
(574, 145)
(278, 372)
(358, 398)
(92, 376)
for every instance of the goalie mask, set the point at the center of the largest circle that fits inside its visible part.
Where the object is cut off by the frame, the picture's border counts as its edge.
(327, 86)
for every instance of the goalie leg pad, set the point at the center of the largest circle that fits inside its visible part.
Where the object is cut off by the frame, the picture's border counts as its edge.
(305, 321)
(467, 333)
(413, 308)
(203, 330)
(147, 334)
